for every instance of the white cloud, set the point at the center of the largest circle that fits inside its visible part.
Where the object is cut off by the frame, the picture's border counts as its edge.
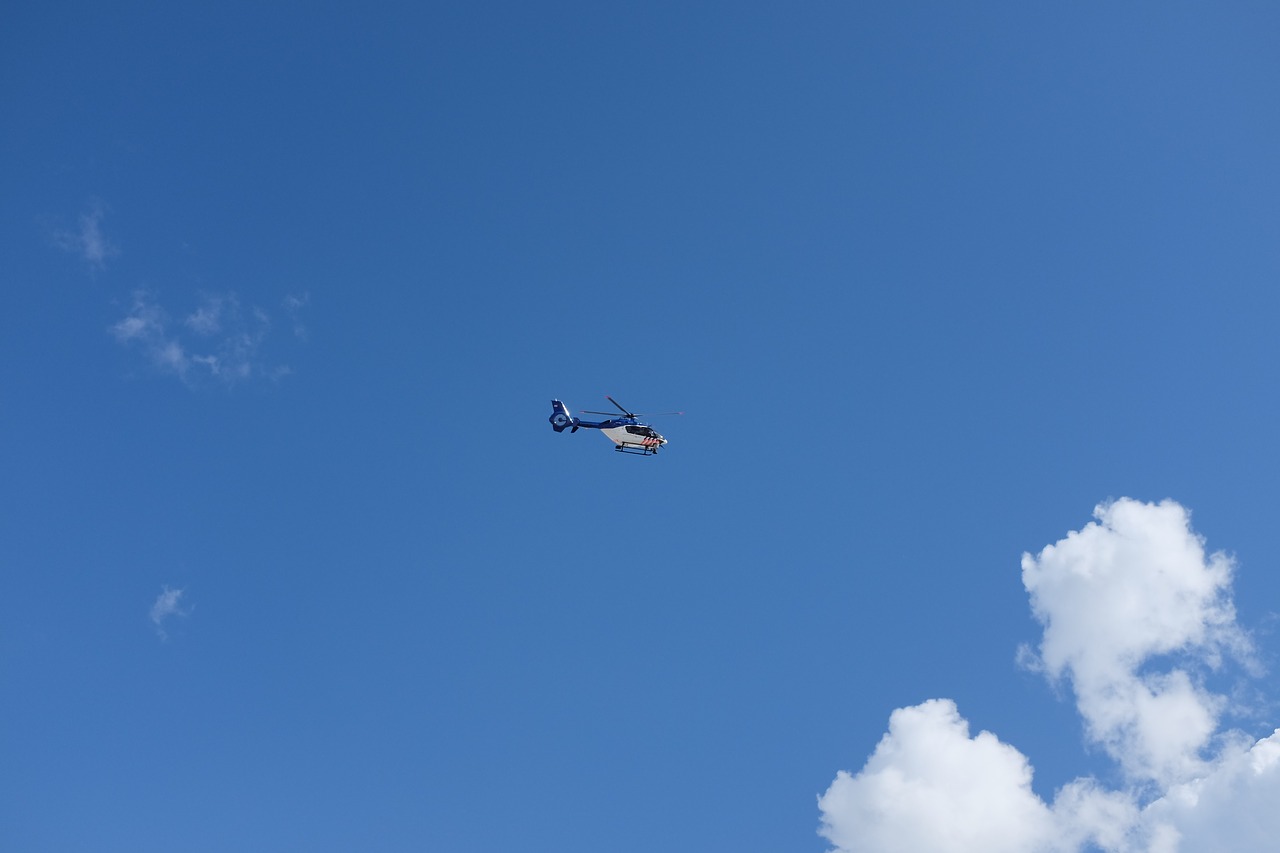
(146, 328)
(1133, 585)
(207, 319)
(168, 605)
(88, 240)
(293, 305)
(1129, 591)
(219, 340)
(1232, 808)
(975, 792)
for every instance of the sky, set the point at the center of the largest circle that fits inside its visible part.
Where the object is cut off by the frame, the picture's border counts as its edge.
(965, 541)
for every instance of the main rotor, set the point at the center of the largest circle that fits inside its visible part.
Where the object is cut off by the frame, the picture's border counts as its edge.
(625, 412)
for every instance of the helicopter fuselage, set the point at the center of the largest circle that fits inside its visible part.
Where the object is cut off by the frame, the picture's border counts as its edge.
(634, 435)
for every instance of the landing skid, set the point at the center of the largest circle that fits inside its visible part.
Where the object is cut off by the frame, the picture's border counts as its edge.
(636, 449)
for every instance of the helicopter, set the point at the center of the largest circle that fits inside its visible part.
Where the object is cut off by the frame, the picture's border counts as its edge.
(626, 432)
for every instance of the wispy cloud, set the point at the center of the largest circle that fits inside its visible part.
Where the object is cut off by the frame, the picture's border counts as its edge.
(167, 606)
(1134, 614)
(88, 240)
(293, 305)
(207, 319)
(146, 328)
(219, 340)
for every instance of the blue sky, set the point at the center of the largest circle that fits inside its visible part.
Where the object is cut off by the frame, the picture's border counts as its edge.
(292, 559)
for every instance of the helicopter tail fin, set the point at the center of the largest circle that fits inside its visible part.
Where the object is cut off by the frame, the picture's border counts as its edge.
(560, 417)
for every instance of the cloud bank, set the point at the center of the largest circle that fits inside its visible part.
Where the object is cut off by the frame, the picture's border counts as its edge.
(1135, 615)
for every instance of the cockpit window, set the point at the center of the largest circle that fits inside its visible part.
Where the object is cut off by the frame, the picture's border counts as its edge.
(640, 430)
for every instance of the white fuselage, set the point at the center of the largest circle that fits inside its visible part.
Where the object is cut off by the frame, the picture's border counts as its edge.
(632, 436)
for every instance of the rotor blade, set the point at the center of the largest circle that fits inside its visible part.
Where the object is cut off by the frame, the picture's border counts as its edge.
(627, 413)
(619, 405)
(630, 414)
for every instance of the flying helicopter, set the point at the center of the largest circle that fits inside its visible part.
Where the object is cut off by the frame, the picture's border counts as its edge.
(626, 432)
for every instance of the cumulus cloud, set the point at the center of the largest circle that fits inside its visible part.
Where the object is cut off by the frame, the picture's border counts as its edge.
(930, 786)
(88, 240)
(220, 340)
(1133, 585)
(1231, 808)
(167, 606)
(1135, 612)
(976, 791)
